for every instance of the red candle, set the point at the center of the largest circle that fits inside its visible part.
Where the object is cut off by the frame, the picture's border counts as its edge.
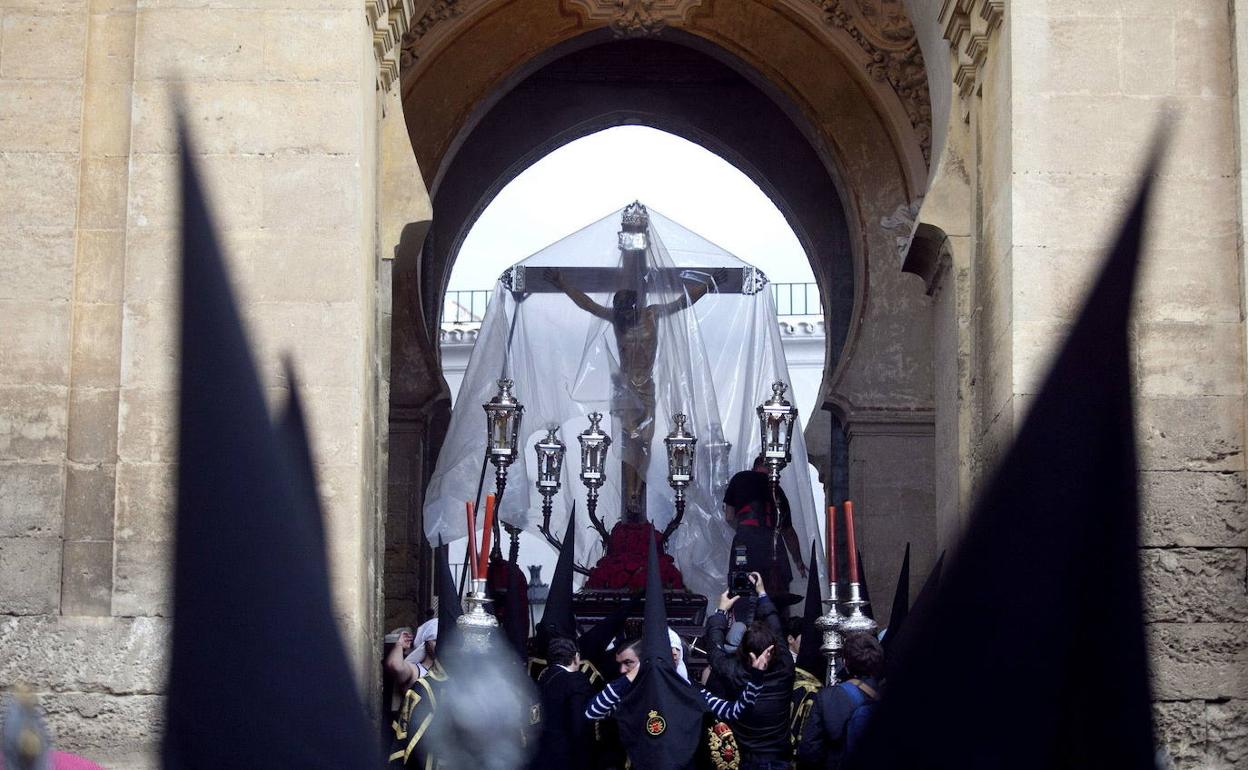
(487, 532)
(472, 539)
(853, 545)
(830, 538)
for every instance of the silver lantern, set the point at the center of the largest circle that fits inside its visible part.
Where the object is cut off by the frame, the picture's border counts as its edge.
(550, 452)
(503, 414)
(594, 444)
(775, 419)
(680, 445)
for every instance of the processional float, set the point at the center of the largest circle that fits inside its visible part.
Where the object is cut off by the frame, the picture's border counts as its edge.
(697, 466)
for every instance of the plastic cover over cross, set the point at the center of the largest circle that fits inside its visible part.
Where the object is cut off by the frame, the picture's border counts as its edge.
(715, 357)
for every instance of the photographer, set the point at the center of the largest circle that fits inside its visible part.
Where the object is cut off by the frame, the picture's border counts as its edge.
(762, 733)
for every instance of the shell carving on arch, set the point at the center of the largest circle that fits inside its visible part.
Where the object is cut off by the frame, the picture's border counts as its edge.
(635, 18)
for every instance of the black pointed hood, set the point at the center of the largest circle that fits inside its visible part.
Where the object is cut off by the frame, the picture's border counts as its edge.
(1039, 611)
(292, 433)
(250, 568)
(867, 609)
(558, 620)
(901, 599)
(809, 658)
(659, 696)
(449, 607)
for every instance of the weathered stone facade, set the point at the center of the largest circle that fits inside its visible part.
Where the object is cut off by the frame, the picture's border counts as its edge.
(328, 132)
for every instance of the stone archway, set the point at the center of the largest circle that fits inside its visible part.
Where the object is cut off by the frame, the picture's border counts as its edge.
(826, 110)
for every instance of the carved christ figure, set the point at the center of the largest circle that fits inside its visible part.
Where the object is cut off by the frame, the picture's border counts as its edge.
(633, 391)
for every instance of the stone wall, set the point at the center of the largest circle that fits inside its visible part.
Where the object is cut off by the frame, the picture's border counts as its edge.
(281, 102)
(1060, 105)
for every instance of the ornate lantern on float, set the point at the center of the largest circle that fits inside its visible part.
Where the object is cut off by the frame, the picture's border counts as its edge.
(680, 445)
(775, 419)
(594, 444)
(503, 414)
(550, 452)
(502, 428)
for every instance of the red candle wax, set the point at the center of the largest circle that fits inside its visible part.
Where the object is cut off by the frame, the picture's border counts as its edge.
(851, 541)
(487, 532)
(829, 526)
(472, 539)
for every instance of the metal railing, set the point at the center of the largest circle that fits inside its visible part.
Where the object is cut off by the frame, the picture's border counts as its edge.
(796, 299)
(792, 299)
(465, 307)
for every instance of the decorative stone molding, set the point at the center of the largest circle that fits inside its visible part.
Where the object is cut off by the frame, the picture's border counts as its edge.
(969, 26)
(883, 30)
(433, 12)
(635, 18)
(389, 20)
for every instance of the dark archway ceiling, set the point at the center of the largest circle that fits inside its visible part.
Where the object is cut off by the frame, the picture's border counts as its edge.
(662, 84)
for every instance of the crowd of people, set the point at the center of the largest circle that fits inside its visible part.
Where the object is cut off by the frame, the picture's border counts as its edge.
(763, 702)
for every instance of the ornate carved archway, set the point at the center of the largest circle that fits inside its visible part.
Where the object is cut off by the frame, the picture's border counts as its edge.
(847, 80)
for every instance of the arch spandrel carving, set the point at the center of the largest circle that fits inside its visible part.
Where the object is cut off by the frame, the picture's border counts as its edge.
(488, 44)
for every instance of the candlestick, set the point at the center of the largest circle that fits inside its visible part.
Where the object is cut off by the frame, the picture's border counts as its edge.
(857, 620)
(477, 625)
(487, 532)
(851, 541)
(829, 624)
(472, 539)
(829, 526)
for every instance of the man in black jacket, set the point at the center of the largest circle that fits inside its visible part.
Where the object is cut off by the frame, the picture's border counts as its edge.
(566, 734)
(762, 733)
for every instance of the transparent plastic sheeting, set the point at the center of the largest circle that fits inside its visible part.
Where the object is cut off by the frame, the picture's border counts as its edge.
(715, 363)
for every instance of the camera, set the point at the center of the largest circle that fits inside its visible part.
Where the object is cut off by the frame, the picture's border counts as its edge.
(739, 578)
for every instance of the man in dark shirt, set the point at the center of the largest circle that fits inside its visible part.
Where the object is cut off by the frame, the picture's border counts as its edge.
(565, 690)
(838, 716)
(760, 526)
(762, 733)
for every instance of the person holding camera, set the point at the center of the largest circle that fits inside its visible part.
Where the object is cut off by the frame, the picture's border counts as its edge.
(761, 523)
(762, 732)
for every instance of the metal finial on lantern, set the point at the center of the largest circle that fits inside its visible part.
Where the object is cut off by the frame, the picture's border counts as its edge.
(550, 452)
(775, 418)
(594, 444)
(503, 414)
(680, 445)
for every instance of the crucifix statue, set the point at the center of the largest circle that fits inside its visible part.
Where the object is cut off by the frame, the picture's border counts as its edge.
(635, 326)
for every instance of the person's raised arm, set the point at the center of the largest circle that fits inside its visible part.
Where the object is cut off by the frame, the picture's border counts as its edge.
(729, 710)
(767, 611)
(578, 297)
(403, 673)
(608, 700)
(716, 635)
